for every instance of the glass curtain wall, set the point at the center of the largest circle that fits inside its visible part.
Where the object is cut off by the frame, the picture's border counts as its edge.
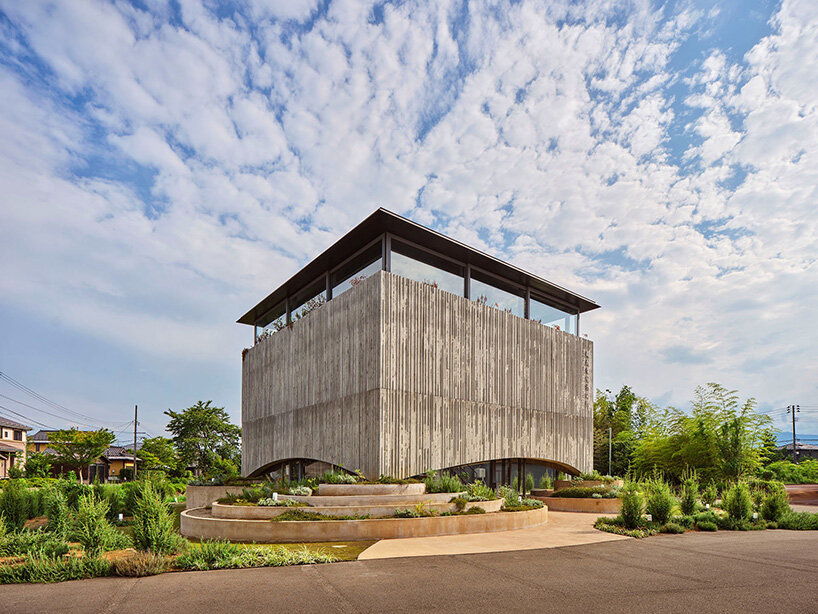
(427, 268)
(309, 299)
(551, 316)
(273, 321)
(488, 290)
(350, 274)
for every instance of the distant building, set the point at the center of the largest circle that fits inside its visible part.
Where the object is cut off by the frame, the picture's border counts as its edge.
(399, 350)
(802, 451)
(13, 437)
(106, 468)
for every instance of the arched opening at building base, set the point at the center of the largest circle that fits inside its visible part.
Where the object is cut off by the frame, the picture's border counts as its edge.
(507, 471)
(296, 469)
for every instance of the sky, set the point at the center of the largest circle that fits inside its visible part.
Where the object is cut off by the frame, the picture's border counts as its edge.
(165, 165)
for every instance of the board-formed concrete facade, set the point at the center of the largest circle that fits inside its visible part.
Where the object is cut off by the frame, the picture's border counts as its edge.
(398, 377)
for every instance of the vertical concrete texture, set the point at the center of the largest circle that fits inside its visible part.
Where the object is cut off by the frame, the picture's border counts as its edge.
(398, 377)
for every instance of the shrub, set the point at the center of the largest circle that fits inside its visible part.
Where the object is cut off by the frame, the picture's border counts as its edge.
(511, 496)
(418, 511)
(671, 527)
(459, 503)
(92, 529)
(805, 472)
(708, 516)
(686, 521)
(303, 515)
(659, 501)
(799, 521)
(737, 502)
(475, 510)
(54, 569)
(710, 494)
(73, 490)
(218, 554)
(632, 506)
(529, 482)
(14, 504)
(610, 525)
(775, 504)
(56, 508)
(114, 495)
(443, 483)
(140, 565)
(388, 479)
(153, 528)
(707, 526)
(532, 503)
(333, 477)
(690, 495)
(587, 492)
(270, 502)
(480, 492)
(302, 491)
(42, 543)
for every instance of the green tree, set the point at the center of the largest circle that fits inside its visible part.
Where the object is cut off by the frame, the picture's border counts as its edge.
(629, 417)
(719, 439)
(37, 465)
(77, 449)
(204, 437)
(159, 453)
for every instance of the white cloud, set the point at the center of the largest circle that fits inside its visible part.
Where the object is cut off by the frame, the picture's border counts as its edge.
(540, 132)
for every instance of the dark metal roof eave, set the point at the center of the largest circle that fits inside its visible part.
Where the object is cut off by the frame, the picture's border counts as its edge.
(382, 221)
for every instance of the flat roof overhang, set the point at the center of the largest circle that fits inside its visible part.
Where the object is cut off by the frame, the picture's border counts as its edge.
(384, 221)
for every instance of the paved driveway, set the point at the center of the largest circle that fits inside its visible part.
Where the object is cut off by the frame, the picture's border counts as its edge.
(765, 571)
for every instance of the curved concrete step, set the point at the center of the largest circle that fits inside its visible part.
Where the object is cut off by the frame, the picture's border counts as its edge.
(256, 512)
(199, 523)
(335, 490)
(359, 500)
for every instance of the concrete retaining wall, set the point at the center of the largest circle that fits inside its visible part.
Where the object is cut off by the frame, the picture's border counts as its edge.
(203, 496)
(200, 524)
(571, 504)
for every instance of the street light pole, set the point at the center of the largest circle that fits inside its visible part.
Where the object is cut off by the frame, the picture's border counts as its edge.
(610, 447)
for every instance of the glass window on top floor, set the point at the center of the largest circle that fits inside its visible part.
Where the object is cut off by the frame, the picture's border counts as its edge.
(420, 265)
(361, 266)
(543, 313)
(308, 300)
(493, 292)
(272, 321)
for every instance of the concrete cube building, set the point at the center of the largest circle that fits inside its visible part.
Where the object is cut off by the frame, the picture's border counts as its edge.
(399, 350)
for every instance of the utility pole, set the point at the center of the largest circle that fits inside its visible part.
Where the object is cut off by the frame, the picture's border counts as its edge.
(610, 448)
(794, 409)
(134, 441)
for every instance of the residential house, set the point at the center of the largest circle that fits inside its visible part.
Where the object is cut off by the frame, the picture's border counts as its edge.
(106, 468)
(12, 445)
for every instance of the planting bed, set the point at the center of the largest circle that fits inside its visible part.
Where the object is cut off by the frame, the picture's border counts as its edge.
(424, 516)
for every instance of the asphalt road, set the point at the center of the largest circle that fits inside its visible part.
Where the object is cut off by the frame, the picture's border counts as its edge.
(765, 571)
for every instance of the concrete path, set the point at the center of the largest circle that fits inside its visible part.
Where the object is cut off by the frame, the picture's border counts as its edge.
(562, 529)
(725, 572)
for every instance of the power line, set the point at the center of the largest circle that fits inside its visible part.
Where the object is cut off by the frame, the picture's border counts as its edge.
(26, 418)
(47, 401)
(42, 410)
